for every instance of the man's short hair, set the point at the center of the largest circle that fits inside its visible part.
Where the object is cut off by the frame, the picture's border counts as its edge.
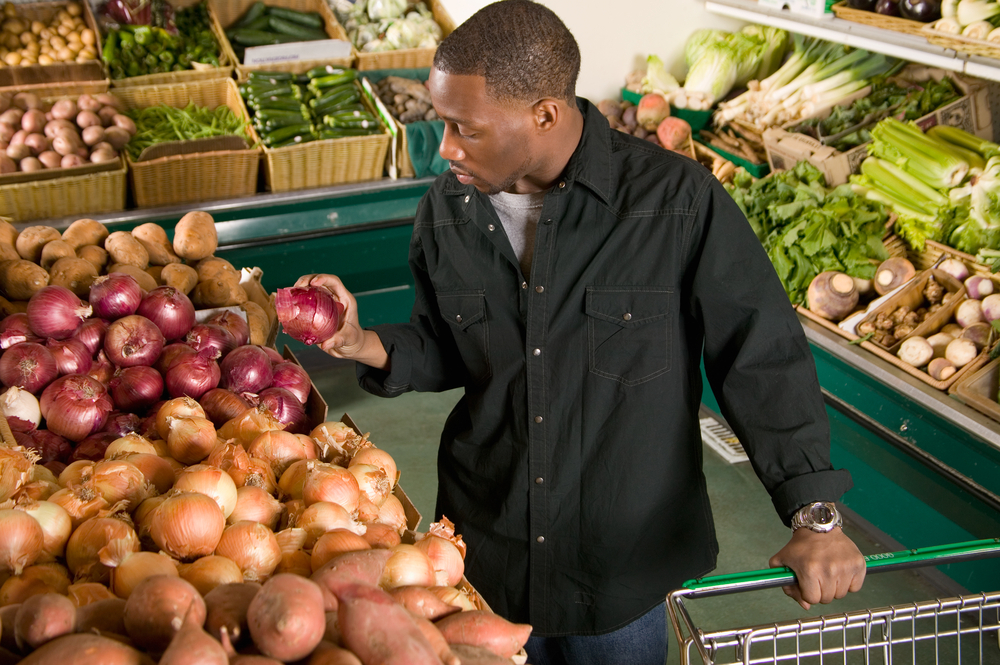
(522, 49)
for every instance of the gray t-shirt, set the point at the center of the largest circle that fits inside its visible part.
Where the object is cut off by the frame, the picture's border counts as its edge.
(519, 215)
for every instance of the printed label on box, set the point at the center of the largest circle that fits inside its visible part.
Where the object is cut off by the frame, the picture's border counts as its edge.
(325, 49)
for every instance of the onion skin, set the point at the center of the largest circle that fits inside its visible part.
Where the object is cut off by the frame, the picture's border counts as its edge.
(135, 388)
(253, 547)
(292, 377)
(310, 315)
(91, 333)
(193, 375)
(14, 329)
(55, 311)
(210, 336)
(247, 370)
(86, 649)
(210, 572)
(234, 323)
(156, 608)
(222, 405)
(114, 296)
(22, 541)
(286, 617)
(71, 356)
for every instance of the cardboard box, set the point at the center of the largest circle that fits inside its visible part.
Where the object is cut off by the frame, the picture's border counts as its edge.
(970, 112)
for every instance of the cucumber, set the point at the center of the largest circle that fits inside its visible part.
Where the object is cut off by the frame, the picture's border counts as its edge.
(259, 23)
(247, 37)
(255, 11)
(307, 19)
(297, 30)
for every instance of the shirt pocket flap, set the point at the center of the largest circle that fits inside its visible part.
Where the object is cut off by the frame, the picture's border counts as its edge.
(462, 308)
(628, 307)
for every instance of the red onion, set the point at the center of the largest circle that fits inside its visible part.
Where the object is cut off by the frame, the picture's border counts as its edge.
(121, 424)
(29, 366)
(234, 323)
(49, 445)
(102, 370)
(114, 296)
(292, 377)
(192, 375)
(287, 408)
(170, 353)
(211, 336)
(247, 370)
(135, 388)
(93, 447)
(55, 311)
(75, 406)
(170, 310)
(222, 405)
(133, 340)
(14, 329)
(309, 314)
(91, 332)
(71, 356)
(273, 355)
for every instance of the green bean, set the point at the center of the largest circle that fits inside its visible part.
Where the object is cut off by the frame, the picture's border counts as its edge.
(158, 124)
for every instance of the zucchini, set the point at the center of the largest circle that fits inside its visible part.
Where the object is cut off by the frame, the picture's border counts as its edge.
(352, 114)
(259, 23)
(296, 140)
(255, 11)
(292, 29)
(270, 77)
(329, 109)
(281, 105)
(333, 80)
(326, 70)
(339, 97)
(247, 37)
(286, 133)
(307, 19)
(342, 132)
(257, 90)
(277, 114)
(269, 126)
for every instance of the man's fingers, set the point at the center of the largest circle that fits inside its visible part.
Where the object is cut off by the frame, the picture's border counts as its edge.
(795, 594)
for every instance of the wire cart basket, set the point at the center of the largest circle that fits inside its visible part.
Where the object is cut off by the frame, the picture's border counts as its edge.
(964, 629)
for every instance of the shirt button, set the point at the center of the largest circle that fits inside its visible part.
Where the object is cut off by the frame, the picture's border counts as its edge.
(562, 184)
(538, 419)
(537, 352)
(466, 199)
(540, 539)
(458, 318)
(524, 285)
(491, 227)
(539, 289)
(627, 316)
(539, 481)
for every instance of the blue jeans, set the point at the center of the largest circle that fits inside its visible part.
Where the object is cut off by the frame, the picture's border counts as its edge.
(642, 642)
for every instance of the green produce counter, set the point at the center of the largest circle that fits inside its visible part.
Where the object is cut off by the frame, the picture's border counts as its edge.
(926, 468)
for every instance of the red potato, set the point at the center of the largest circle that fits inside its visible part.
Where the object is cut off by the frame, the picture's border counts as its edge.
(8, 657)
(51, 159)
(102, 616)
(332, 633)
(485, 629)
(364, 567)
(86, 119)
(18, 151)
(227, 606)
(156, 608)
(64, 109)
(43, 618)
(93, 135)
(18, 138)
(88, 103)
(12, 116)
(55, 127)
(86, 649)
(125, 123)
(193, 646)
(380, 631)
(286, 618)
(7, 165)
(29, 164)
(477, 655)
(101, 156)
(107, 114)
(422, 602)
(331, 654)
(117, 137)
(37, 142)
(7, 131)
(33, 121)
(107, 99)
(69, 161)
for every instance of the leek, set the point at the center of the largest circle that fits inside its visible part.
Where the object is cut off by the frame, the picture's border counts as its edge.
(949, 8)
(977, 30)
(964, 139)
(909, 148)
(971, 11)
(948, 25)
(994, 36)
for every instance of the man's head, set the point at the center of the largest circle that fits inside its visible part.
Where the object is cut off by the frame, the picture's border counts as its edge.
(504, 83)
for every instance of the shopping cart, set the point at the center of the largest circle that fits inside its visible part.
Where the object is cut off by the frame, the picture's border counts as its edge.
(965, 629)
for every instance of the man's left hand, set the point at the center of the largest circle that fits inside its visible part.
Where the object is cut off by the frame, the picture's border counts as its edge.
(827, 565)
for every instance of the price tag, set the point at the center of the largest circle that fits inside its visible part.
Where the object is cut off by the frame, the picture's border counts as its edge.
(325, 49)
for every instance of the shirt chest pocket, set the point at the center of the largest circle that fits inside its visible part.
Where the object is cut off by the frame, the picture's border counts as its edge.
(465, 312)
(628, 332)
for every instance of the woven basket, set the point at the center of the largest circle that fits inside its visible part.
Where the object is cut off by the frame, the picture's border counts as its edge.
(71, 88)
(980, 360)
(201, 72)
(229, 11)
(88, 194)
(963, 44)
(935, 251)
(411, 58)
(848, 13)
(197, 176)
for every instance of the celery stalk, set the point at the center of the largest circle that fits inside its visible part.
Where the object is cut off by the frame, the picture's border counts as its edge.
(909, 148)
(964, 139)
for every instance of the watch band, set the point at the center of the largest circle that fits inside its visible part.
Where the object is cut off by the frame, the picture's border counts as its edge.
(819, 516)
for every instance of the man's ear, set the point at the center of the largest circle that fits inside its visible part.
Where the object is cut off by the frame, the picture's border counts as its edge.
(548, 114)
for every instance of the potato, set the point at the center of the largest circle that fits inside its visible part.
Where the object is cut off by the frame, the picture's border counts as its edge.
(195, 236)
(8, 233)
(256, 293)
(85, 232)
(260, 324)
(156, 272)
(8, 253)
(213, 266)
(181, 277)
(218, 293)
(154, 239)
(21, 279)
(30, 242)
(75, 274)
(96, 256)
(146, 281)
(125, 249)
(55, 250)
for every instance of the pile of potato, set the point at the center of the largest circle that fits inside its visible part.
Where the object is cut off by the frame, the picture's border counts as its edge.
(64, 38)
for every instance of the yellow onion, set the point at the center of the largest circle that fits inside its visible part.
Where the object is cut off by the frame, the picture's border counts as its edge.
(256, 505)
(155, 469)
(253, 547)
(175, 465)
(256, 473)
(129, 567)
(291, 539)
(407, 566)
(324, 516)
(328, 482)
(381, 536)
(42, 474)
(15, 469)
(81, 502)
(226, 455)
(179, 407)
(455, 597)
(36, 491)
(161, 447)
(211, 571)
(129, 444)
(33, 581)
(337, 442)
(86, 593)
(83, 550)
(118, 480)
(446, 558)
(291, 513)
(294, 477)
(296, 562)
(249, 425)
(279, 449)
(21, 539)
(209, 481)
(56, 526)
(367, 511)
(372, 482)
(392, 514)
(380, 458)
(190, 440)
(76, 473)
(187, 525)
(334, 543)
(142, 517)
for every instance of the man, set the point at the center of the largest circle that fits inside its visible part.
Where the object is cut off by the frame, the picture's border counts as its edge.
(571, 278)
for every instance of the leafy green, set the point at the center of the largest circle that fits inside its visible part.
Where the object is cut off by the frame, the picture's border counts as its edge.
(807, 228)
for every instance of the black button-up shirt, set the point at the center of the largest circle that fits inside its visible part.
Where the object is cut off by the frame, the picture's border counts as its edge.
(572, 464)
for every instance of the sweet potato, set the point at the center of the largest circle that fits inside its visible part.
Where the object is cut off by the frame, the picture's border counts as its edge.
(85, 232)
(30, 242)
(332, 633)
(156, 608)
(380, 631)
(181, 277)
(8, 657)
(86, 649)
(484, 629)
(193, 646)
(154, 238)
(286, 618)
(364, 567)
(331, 654)
(96, 256)
(227, 606)
(146, 281)
(7, 614)
(55, 250)
(422, 602)
(195, 237)
(221, 291)
(22, 279)
(8, 233)
(253, 660)
(470, 655)
(213, 266)
(126, 250)
(437, 641)
(43, 618)
(257, 319)
(102, 616)
(8, 252)
(75, 274)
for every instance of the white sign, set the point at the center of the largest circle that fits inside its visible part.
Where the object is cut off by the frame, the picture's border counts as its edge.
(326, 49)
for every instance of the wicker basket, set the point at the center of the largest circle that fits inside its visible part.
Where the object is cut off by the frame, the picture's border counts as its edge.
(229, 11)
(963, 44)
(935, 251)
(200, 72)
(197, 176)
(88, 194)
(411, 58)
(848, 13)
(71, 88)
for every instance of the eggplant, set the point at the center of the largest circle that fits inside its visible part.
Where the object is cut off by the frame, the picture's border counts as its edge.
(924, 11)
(887, 7)
(863, 5)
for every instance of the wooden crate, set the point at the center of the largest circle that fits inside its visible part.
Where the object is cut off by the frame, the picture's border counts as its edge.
(412, 58)
(200, 176)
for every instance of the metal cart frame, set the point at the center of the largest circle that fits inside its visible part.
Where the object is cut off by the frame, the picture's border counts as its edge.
(967, 627)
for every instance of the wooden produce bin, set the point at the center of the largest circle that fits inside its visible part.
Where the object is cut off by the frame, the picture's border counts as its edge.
(197, 176)
(411, 58)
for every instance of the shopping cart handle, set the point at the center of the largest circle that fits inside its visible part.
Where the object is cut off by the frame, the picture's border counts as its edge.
(770, 578)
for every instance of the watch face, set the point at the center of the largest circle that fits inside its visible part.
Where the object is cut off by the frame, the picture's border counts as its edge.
(821, 513)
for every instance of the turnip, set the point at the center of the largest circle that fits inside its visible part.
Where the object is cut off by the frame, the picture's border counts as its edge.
(939, 342)
(864, 286)
(955, 268)
(991, 308)
(916, 351)
(969, 312)
(832, 295)
(941, 369)
(893, 273)
(651, 111)
(978, 333)
(961, 352)
(952, 329)
(978, 287)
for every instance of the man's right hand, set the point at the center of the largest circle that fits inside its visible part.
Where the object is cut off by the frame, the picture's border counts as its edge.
(349, 341)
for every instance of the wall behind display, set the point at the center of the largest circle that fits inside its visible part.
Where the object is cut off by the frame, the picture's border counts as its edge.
(616, 37)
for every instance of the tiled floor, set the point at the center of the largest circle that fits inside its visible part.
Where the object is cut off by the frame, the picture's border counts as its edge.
(749, 532)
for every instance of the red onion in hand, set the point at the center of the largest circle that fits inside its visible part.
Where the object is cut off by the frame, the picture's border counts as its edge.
(114, 296)
(14, 329)
(133, 340)
(170, 310)
(28, 365)
(55, 311)
(234, 323)
(309, 314)
(91, 332)
(222, 405)
(247, 370)
(75, 406)
(287, 408)
(292, 377)
(193, 375)
(211, 336)
(49, 445)
(71, 356)
(135, 388)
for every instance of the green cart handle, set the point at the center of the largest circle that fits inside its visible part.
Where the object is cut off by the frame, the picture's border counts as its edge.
(716, 585)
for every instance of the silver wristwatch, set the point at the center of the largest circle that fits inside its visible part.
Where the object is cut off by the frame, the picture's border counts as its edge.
(821, 517)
